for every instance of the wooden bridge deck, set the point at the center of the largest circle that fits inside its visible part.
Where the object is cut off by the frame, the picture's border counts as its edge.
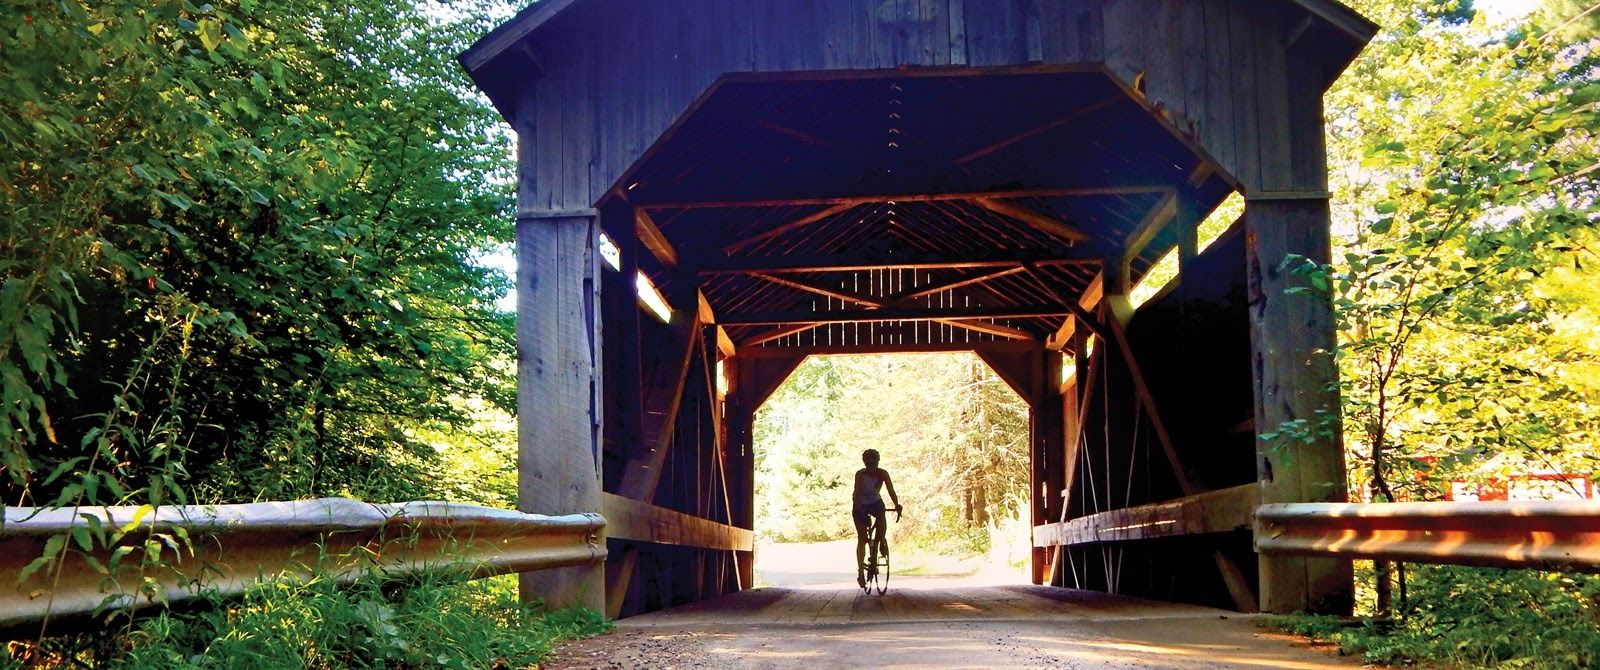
(971, 627)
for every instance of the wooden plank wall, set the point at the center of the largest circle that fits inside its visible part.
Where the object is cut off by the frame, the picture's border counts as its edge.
(1218, 67)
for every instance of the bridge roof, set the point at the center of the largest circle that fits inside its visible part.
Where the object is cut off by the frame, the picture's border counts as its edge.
(1353, 31)
(924, 207)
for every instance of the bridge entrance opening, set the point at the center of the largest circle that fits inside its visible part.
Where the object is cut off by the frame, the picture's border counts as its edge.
(1002, 212)
(954, 438)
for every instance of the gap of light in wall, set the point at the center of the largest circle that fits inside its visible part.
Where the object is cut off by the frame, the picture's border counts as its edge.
(1220, 220)
(1157, 278)
(722, 378)
(652, 298)
(1165, 270)
(610, 252)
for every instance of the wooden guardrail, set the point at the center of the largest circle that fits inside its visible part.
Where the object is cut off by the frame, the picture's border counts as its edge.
(628, 519)
(1534, 534)
(176, 553)
(1211, 512)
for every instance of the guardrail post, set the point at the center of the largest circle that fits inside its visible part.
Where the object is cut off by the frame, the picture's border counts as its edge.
(1296, 394)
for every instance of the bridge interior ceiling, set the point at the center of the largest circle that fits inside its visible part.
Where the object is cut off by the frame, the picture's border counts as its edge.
(914, 208)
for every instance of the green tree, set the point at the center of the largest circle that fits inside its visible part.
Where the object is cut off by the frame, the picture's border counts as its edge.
(1464, 156)
(239, 249)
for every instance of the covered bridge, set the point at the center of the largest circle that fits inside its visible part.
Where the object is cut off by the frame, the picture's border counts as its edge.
(712, 190)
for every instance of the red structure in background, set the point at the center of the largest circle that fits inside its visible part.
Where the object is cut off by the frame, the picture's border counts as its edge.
(1534, 486)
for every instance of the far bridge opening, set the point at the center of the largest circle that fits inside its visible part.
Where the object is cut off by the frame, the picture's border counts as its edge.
(954, 439)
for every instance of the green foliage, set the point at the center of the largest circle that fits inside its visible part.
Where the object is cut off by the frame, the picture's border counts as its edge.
(237, 249)
(1478, 618)
(1464, 159)
(1465, 156)
(433, 622)
(952, 435)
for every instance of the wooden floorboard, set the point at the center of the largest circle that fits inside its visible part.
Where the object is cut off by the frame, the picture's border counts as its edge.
(851, 606)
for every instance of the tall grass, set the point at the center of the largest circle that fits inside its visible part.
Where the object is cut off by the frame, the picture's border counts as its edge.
(1469, 618)
(433, 620)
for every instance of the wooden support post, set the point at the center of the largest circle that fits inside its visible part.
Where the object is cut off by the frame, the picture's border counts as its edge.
(751, 382)
(558, 414)
(1292, 342)
(620, 567)
(1047, 429)
(1036, 377)
(1072, 401)
(739, 415)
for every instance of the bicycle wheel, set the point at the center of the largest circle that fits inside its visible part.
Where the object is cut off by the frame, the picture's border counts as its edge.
(869, 565)
(881, 580)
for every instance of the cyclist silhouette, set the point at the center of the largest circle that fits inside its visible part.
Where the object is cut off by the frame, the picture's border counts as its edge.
(867, 505)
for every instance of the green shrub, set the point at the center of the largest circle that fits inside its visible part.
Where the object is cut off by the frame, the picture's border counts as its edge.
(433, 621)
(1477, 618)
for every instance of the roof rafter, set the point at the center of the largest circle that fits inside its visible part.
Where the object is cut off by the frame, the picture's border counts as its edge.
(1034, 219)
(890, 303)
(792, 225)
(1080, 191)
(880, 315)
(1041, 129)
(921, 261)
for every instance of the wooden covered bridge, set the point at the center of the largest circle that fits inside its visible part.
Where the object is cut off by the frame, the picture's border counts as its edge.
(712, 190)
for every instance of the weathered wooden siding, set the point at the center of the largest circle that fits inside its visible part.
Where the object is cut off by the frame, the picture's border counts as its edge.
(1220, 68)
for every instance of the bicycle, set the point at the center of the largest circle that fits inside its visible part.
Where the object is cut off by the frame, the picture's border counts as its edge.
(876, 566)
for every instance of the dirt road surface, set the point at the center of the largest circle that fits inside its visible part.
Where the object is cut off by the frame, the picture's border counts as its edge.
(930, 625)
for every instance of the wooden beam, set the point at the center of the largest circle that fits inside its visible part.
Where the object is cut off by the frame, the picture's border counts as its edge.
(629, 519)
(991, 328)
(725, 344)
(1042, 128)
(778, 334)
(1090, 298)
(1035, 220)
(790, 226)
(876, 303)
(1150, 226)
(1083, 191)
(875, 349)
(880, 315)
(705, 313)
(1220, 511)
(912, 294)
(619, 575)
(766, 375)
(709, 316)
(663, 398)
(794, 133)
(1017, 370)
(839, 293)
(652, 238)
(1152, 410)
(855, 262)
